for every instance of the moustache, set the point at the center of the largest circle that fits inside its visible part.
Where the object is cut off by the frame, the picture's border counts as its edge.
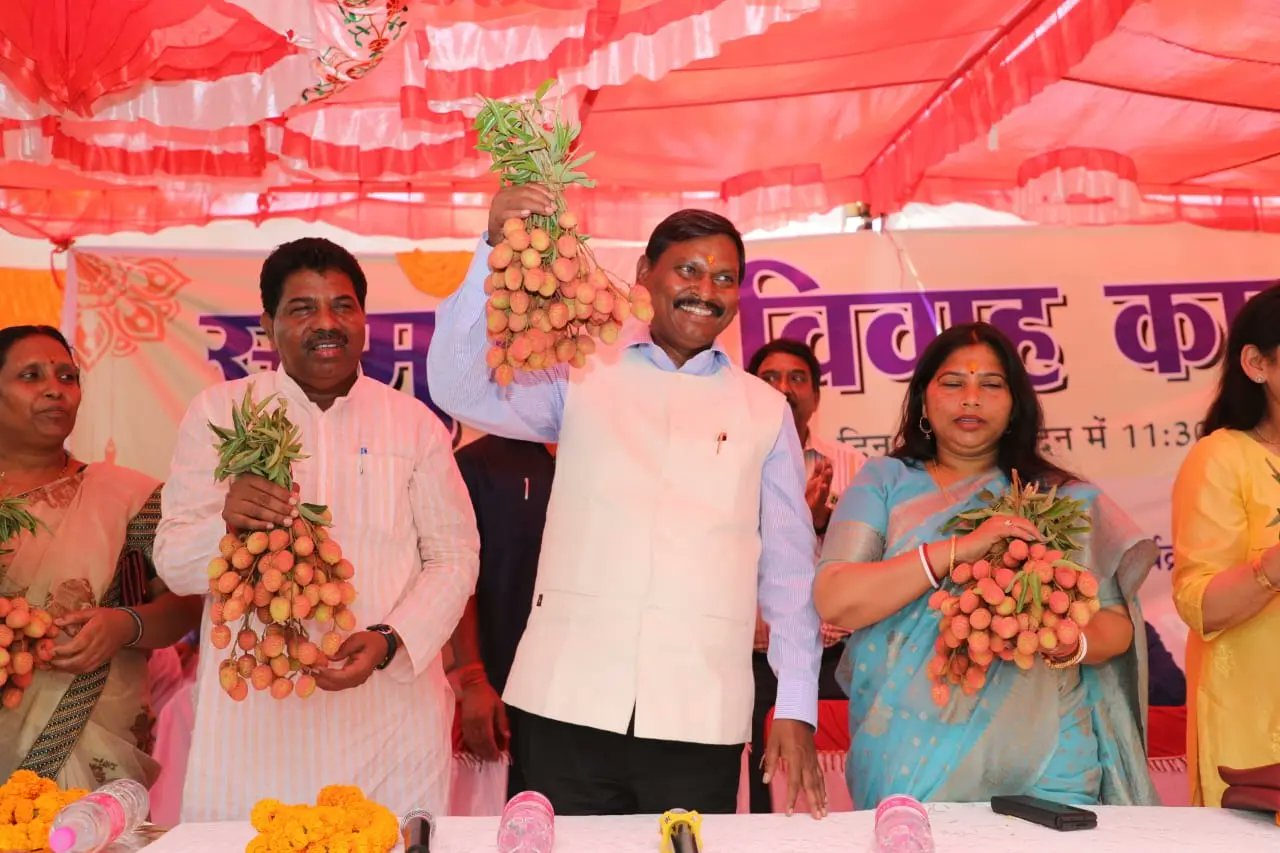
(717, 310)
(326, 338)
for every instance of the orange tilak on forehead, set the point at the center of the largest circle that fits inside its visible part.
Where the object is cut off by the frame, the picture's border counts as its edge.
(711, 260)
(973, 366)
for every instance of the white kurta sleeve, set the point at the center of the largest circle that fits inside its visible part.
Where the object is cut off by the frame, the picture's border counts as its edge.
(191, 504)
(449, 547)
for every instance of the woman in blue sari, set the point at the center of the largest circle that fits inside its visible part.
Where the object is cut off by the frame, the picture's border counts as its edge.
(1070, 729)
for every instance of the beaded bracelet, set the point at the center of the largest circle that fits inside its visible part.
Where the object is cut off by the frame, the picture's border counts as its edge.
(1075, 660)
(137, 621)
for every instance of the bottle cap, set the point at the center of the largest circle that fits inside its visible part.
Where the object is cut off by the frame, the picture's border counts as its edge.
(62, 839)
(900, 801)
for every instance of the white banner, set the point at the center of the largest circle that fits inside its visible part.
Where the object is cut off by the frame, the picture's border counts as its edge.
(1121, 328)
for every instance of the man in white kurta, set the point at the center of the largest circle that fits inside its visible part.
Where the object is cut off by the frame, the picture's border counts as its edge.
(383, 464)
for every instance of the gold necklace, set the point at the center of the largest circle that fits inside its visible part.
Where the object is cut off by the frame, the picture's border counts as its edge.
(1258, 434)
(66, 465)
(937, 478)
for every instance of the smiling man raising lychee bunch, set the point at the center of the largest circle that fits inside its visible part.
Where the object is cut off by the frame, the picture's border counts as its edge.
(383, 464)
(678, 496)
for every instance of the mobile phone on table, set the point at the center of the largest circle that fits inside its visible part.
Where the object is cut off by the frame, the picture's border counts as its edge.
(1045, 812)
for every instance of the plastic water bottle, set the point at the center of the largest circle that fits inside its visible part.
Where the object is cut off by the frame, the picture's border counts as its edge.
(93, 822)
(902, 826)
(527, 824)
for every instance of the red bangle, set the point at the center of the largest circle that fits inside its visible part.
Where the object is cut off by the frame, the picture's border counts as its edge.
(928, 567)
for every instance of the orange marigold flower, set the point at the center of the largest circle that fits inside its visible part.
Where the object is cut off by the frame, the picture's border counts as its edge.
(339, 795)
(264, 814)
(342, 821)
(38, 834)
(26, 785)
(13, 838)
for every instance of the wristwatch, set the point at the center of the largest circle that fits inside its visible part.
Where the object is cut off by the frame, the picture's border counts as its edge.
(393, 645)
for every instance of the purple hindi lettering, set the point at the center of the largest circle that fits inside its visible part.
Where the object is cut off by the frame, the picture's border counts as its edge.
(1172, 329)
(1166, 553)
(889, 330)
(395, 349)
(811, 317)
(237, 344)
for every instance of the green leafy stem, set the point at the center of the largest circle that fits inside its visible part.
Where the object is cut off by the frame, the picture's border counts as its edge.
(1058, 519)
(526, 147)
(262, 443)
(14, 518)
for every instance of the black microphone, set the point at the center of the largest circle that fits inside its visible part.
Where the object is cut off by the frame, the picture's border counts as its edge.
(683, 840)
(680, 831)
(416, 828)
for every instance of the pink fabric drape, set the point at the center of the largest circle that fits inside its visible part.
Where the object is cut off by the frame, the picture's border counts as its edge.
(67, 55)
(358, 112)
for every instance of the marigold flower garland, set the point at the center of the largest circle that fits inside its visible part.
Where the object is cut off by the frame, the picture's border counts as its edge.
(341, 821)
(28, 804)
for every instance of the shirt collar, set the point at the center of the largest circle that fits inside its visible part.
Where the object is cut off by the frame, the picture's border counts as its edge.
(289, 388)
(636, 335)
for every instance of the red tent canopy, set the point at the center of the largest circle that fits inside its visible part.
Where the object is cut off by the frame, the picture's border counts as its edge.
(129, 115)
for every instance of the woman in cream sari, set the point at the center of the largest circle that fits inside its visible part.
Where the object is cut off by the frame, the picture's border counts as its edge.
(1071, 728)
(84, 721)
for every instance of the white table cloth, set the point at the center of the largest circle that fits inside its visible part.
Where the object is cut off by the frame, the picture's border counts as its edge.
(956, 829)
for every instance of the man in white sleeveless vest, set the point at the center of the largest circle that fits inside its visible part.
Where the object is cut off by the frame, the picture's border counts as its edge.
(678, 498)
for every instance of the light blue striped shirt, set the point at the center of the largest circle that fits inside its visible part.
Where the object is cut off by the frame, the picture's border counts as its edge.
(531, 409)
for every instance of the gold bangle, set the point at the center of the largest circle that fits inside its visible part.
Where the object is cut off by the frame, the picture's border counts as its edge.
(952, 567)
(137, 624)
(1263, 581)
(1082, 649)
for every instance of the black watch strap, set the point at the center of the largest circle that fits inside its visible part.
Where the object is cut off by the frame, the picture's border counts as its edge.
(393, 645)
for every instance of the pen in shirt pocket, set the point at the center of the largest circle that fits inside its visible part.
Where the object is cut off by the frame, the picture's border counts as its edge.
(364, 451)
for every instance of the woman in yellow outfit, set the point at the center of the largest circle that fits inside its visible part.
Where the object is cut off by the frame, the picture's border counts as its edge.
(1226, 574)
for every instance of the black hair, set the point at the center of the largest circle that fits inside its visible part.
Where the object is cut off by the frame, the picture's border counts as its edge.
(690, 224)
(309, 253)
(1240, 402)
(1019, 447)
(787, 346)
(11, 335)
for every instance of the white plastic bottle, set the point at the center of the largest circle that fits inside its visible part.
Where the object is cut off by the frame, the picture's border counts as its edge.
(93, 822)
(527, 824)
(902, 826)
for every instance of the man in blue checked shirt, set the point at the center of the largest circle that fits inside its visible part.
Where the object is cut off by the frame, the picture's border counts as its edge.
(678, 502)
